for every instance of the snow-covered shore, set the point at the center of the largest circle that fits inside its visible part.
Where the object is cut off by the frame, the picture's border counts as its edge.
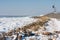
(52, 27)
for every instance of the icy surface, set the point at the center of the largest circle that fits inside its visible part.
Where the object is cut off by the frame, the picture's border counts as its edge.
(11, 23)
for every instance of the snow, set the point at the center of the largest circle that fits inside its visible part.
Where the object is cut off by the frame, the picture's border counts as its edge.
(11, 23)
(14, 37)
(53, 25)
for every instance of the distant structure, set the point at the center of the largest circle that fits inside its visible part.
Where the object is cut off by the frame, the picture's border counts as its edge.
(54, 7)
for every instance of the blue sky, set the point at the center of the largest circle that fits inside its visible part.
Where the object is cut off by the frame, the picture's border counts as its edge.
(27, 7)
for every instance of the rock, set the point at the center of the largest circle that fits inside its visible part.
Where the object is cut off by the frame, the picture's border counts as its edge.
(57, 32)
(47, 33)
